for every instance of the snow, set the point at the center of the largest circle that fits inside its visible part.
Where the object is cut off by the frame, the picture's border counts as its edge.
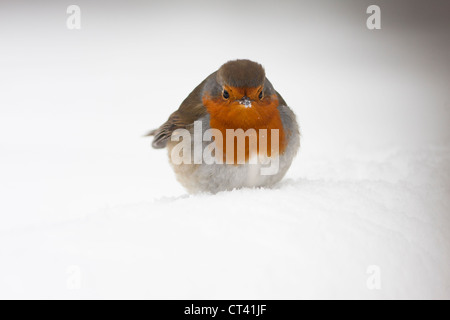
(307, 238)
(89, 210)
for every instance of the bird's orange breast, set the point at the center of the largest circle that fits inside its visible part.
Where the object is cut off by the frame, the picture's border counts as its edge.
(263, 114)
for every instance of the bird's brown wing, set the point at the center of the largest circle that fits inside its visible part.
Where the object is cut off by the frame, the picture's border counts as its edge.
(177, 120)
(190, 110)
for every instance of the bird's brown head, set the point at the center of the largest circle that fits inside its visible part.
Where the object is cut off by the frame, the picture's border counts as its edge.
(241, 96)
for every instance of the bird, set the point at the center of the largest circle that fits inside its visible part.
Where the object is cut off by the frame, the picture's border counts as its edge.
(237, 97)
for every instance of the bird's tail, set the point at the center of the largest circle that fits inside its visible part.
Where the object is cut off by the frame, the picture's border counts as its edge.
(160, 137)
(151, 133)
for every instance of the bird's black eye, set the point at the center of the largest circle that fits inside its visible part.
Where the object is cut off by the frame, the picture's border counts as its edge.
(226, 95)
(261, 95)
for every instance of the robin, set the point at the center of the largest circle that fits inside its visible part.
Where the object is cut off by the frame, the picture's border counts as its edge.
(237, 102)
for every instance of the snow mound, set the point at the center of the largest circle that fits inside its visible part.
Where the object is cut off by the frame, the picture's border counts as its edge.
(309, 237)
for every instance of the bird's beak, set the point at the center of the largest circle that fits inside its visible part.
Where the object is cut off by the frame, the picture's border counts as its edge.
(246, 102)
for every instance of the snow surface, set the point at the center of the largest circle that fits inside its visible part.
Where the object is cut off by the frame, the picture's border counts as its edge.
(89, 210)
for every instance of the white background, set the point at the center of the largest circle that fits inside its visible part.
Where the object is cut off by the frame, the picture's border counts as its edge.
(80, 186)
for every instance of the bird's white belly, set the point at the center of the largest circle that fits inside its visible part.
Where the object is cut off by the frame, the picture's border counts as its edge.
(220, 177)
